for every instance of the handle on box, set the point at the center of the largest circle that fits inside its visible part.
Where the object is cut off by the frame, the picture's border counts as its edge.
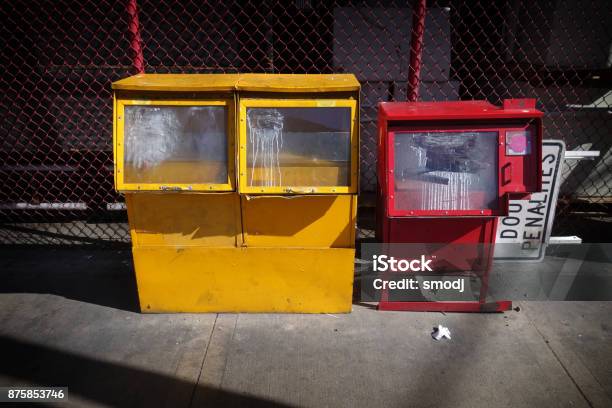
(507, 173)
(293, 190)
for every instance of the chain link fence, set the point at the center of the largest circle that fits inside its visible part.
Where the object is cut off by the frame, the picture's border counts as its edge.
(60, 57)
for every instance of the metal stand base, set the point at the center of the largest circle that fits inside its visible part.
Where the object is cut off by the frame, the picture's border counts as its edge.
(495, 307)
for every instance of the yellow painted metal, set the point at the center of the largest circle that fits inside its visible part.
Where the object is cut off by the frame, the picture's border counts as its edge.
(211, 248)
(244, 187)
(179, 220)
(298, 83)
(354, 219)
(170, 170)
(324, 221)
(247, 82)
(200, 279)
(115, 139)
(178, 83)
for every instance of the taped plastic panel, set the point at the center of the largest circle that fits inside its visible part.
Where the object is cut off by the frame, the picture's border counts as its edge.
(446, 171)
(175, 144)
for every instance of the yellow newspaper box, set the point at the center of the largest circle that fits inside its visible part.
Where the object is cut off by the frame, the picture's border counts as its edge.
(241, 190)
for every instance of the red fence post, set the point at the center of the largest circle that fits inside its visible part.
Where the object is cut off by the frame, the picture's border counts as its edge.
(416, 49)
(135, 41)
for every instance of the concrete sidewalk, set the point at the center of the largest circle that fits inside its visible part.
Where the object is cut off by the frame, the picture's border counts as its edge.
(68, 318)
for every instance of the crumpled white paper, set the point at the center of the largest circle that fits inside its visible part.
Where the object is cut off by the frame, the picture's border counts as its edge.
(441, 332)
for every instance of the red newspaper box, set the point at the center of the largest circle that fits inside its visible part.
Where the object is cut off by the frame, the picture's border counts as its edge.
(446, 171)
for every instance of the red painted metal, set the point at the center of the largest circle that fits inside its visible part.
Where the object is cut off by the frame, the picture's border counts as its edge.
(416, 49)
(456, 110)
(478, 307)
(472, 232)
(135, 39)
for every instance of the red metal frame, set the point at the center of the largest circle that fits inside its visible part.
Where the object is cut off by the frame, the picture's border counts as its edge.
(479, 307)
(487, 237)
(458, 110)
(515, 175)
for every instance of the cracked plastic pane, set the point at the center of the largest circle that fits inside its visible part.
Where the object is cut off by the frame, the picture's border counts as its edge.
(445, 171)
(175, 144)
(298, 147)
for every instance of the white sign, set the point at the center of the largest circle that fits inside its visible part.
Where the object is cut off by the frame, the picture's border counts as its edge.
(524, 233)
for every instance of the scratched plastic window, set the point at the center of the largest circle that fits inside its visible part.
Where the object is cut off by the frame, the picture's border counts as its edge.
(298, 146)
(445, 171)
(175, 144)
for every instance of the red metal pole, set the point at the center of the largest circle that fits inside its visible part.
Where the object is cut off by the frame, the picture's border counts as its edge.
(416, 49)
(135, 40)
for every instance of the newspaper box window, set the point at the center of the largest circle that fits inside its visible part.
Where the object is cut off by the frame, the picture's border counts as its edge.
(446, 172)
(298, 146)
(174, 144)
(240, 190)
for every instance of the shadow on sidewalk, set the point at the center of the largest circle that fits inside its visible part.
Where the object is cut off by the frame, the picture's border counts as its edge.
(109, 383)
(99, 276)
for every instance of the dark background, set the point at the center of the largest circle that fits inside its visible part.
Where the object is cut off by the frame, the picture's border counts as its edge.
(60, 57)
